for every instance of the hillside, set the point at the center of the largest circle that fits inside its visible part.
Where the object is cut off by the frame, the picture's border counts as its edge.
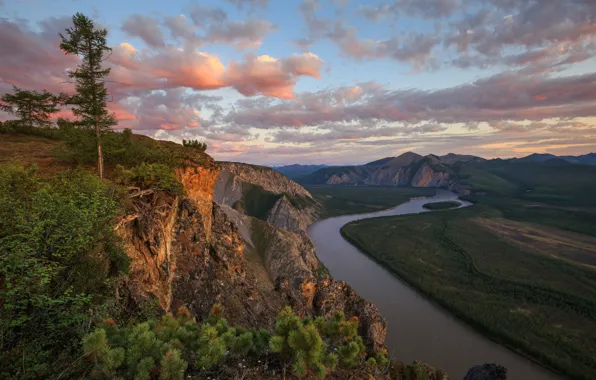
(586, 159)
(408, 170)
(296, 170)
(190, 233)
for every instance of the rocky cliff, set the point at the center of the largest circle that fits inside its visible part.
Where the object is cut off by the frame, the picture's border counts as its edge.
(237, 237)
(408, 169)
(275, 237)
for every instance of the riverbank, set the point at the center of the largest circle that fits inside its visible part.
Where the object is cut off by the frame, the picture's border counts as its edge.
(418, 329)
(498, 286)
(347, 200)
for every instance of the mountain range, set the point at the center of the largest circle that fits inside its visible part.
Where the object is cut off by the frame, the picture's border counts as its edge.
(297, 170)
(468, 175)
(586, 159)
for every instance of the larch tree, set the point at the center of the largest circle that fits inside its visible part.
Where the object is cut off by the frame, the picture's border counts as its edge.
(90, 101)
(33, 108)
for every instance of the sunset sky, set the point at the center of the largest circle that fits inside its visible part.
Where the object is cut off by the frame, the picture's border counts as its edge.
(330, 81)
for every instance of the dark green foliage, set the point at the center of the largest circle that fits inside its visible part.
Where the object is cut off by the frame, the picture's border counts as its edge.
(317, 346)
(195, 144)
(150, 176)
(543, 305)
(171, 346)
(90, 100)
(256, 201)
(33, 108)
(58, 254)
(441, 205)
(341, 200)
(120, 148)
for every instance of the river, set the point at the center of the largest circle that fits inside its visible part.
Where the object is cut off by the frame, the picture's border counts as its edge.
(417, 329)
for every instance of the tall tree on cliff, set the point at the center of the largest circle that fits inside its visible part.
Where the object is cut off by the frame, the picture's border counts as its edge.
(33, 108)
(89, 42)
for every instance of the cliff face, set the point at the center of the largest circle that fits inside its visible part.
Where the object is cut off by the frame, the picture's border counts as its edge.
(278, 240)
(195, 252)
(269, 179)
(186, 251)
(409, 169)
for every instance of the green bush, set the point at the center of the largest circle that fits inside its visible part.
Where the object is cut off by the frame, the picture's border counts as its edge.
(58, 259)
(318, 346)
(154, 176)
(170, 346)
(173, 347)
(195, 144)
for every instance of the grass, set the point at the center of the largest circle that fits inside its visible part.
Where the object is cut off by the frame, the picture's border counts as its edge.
(441, 205)
(344, 200)
(537, 284)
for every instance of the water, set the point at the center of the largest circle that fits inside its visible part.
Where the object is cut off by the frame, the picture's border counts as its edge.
(416, 328)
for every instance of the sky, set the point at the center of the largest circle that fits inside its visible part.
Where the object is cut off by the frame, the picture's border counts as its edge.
(277, 82)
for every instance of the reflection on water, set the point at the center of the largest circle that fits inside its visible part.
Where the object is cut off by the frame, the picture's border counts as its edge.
(417, 329)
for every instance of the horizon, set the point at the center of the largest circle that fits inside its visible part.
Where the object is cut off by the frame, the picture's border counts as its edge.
(423, 155)
(322, 81)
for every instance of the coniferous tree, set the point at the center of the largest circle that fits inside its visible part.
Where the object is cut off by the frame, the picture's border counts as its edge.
(89, 42)
(34, 108)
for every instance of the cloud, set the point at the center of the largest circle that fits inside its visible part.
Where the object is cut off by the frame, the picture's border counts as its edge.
(170, 109)
(242, 34)
(413, 48)
(270, 76)
(34, 60)
(146, 28)
(549, 33)
(205, 15)
(417, 8)
(250, 4)
(507, 96)
(219, 29)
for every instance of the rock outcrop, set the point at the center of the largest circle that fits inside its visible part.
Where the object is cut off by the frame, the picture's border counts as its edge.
(408, 169)
(279, 240)
(267, 178)
(192, 251)
(186, 251)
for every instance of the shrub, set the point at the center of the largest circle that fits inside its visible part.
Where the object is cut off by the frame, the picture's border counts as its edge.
(319, 345)
(169, 346)
(59, 257)
(195, 144)
(154, 176)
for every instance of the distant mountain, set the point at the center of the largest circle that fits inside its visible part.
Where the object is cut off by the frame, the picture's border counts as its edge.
(452, 158)
(586, 159)
(464, 174)
(536, 157)
(407, 169)
(296, 170)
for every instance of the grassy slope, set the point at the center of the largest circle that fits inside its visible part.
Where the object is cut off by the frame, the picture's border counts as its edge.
(343, 200)
(543, 305)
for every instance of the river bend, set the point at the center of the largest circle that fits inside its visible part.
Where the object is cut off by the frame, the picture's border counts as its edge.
(417, 329)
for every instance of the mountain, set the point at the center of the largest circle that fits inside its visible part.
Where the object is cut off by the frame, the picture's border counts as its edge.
(297, 170)
(536, 157)
(586, 159)
(452, 158)
(407, 169)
